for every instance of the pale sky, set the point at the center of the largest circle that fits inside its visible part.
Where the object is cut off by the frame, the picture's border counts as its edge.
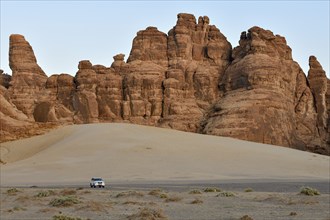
(64, 32)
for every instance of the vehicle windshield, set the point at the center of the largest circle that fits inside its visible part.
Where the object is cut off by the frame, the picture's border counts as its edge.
(97, 179)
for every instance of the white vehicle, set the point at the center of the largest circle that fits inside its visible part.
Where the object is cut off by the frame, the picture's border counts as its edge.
(97, 182)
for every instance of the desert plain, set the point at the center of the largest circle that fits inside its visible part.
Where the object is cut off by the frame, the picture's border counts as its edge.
(155, 173)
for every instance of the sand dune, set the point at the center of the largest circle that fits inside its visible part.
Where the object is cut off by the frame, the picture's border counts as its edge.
(126, 152)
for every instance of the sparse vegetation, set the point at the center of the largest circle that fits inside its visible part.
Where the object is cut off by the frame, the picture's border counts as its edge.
(129, 194)
(212, 189)
(148, 214)
(12, 191)
(246, 217)
(309, 191)
(64, 201)
(64, 217)
(293, 213)
(248, 190)
(155, 192)
(226, 194)
(163, 196)
(195, 191)
(197, 201)
(45, 193)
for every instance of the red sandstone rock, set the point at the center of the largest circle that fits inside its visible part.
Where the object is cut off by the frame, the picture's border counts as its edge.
(190, 79)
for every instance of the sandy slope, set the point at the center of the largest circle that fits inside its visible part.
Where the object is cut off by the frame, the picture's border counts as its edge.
(126, 152)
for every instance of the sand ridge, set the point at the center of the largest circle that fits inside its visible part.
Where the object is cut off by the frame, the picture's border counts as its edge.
(126, 152)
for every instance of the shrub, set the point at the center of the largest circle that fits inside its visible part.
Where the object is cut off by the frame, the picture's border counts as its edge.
(195, 191)
(309, 191)
(155, 192)
(248, 190)
(63, 217)
(45, 193)
(226, 194)
(197, 201)
(246, 217)
(129, 193)
(212, 189)
(163, 196)
(12, 191)
(64, 201)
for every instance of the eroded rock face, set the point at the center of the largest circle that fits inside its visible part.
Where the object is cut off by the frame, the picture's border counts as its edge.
(266, 97)
(198, 55)
(189, 79)
(28, 79)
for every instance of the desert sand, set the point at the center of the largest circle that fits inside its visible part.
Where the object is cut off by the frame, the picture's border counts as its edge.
(154, 173)
(134, 153)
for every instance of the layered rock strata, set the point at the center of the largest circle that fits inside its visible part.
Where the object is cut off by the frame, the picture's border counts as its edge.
(189, 79)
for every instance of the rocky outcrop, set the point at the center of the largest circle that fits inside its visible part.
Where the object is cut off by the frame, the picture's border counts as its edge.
(198, 54)
(189, 79)
(266, 97)
(28, 79)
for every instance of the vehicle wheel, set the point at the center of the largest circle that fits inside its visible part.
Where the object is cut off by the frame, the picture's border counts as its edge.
(94, 186)
(102, 186)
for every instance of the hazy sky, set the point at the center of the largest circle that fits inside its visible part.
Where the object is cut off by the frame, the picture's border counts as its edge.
(64, 32)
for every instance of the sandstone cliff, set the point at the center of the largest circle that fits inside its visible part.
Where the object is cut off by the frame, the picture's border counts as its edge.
(189, 79)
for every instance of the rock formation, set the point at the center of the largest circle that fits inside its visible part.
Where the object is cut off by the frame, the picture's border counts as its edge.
(189, 79)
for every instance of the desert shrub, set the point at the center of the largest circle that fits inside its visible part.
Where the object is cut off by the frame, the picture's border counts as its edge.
(293, 213)
(155, 192)
(309, 191)
(248, 190)
(173, 199)
(197, 201)
(163, 196)
(45, 193)
(225, 194)
(246, 217)
(195, 191)
(148, 214)
(129, 194)
(64, 217)
(12, 191)
(212, 189)
(64, 201)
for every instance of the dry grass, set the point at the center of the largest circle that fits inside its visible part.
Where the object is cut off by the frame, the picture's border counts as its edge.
(130, 194)
(163, 196)
(246, 217)
(148, 214)
(195, 191)
(64, 217)
(309, 191)
(45, 194)
(212, 189)
(12, 191)
(64, 201)
(155, 192)
(248, 190)
(226, 194)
